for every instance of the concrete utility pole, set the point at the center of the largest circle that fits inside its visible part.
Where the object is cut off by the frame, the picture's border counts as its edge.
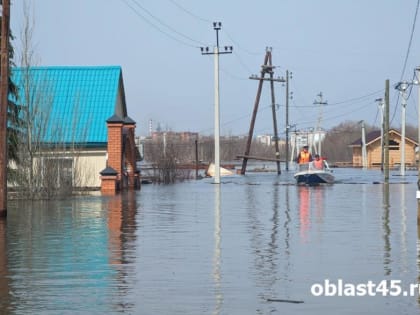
(216, 52)
(364, 153)
(319, 102)
(386, 133)
(402, 87)
(4, 89)
(417, 82)
(288, 76)
(381, 110)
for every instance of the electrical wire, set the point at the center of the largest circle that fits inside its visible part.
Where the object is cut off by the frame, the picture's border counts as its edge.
(353, 110)
(189, 12)
(410, 41)
(240, 46)
(223, 124)
(354, 100)
(162, 23)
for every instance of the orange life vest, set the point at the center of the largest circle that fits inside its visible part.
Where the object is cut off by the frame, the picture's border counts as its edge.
(318, 164)
(304, 157)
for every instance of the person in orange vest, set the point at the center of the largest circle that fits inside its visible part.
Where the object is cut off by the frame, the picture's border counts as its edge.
(304, 156)
(318, 162)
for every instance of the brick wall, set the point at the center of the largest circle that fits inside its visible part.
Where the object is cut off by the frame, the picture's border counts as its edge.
(115, 143)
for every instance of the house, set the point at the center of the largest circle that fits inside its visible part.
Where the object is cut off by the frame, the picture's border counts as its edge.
(373, 149)
(73, 109)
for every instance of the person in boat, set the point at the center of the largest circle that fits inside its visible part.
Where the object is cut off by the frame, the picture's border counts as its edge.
(318, 162)
(304, 156)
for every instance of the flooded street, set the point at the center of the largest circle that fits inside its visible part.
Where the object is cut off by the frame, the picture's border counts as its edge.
(256, 244)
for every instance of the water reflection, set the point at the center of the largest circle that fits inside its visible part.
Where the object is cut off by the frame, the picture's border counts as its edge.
(418, 250)
(273, 247)
(386, 229)
(4, 273)
(311, 199)
(286, 226)
(196, 248)
(404, 247)
(304, 211)
(217, 277)
(55, 251)
(122, 210)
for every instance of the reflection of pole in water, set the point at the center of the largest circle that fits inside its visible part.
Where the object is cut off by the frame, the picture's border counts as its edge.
(404, 249)
(4, 274)
(387, 229)
(286, 226)
(272, 252)
(418, 256)
(217, 276)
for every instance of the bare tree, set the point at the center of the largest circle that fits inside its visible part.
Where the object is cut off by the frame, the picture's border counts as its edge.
(49, 152)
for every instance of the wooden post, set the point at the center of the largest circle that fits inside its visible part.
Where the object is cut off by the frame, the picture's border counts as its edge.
(196, 158)
(287, 120)
(4, 89)
(273, 109)
(254, 116)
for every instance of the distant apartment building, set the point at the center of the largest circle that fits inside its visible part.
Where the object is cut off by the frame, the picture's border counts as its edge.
(177, 136)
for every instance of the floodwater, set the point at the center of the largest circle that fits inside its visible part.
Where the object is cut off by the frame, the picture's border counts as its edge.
(255, 244)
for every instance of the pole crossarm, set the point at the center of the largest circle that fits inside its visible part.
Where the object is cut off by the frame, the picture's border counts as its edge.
(278, 79)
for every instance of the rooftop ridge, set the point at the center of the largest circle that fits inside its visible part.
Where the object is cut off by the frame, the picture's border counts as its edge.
(76, 67)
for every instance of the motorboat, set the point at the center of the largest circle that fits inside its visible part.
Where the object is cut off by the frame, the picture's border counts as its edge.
(308, 175)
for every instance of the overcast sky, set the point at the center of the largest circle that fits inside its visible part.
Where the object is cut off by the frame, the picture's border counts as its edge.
(345, 49)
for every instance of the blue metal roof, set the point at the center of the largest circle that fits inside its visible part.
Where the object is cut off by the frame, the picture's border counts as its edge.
(77, 100)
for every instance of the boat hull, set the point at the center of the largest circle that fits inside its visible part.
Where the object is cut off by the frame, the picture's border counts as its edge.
(314, 177)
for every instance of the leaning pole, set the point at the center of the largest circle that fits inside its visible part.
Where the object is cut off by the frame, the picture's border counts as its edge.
(4, 88)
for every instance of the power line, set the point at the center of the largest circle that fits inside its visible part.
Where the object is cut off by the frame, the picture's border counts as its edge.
(202, 19)
(189, 12)
(162, 23)
(356, 98)
(353, 100)
(410, 41)
(338, 116)
(241, 47)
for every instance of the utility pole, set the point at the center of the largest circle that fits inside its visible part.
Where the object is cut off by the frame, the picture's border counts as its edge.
(266, 68)
(386, 133)
(402, 88)
(381, 110)
(287, 117)
(319, 102)
(196, 158)
(273, 110)
(4, 89)
(216, 52)
(417, 82)
(364, 153)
